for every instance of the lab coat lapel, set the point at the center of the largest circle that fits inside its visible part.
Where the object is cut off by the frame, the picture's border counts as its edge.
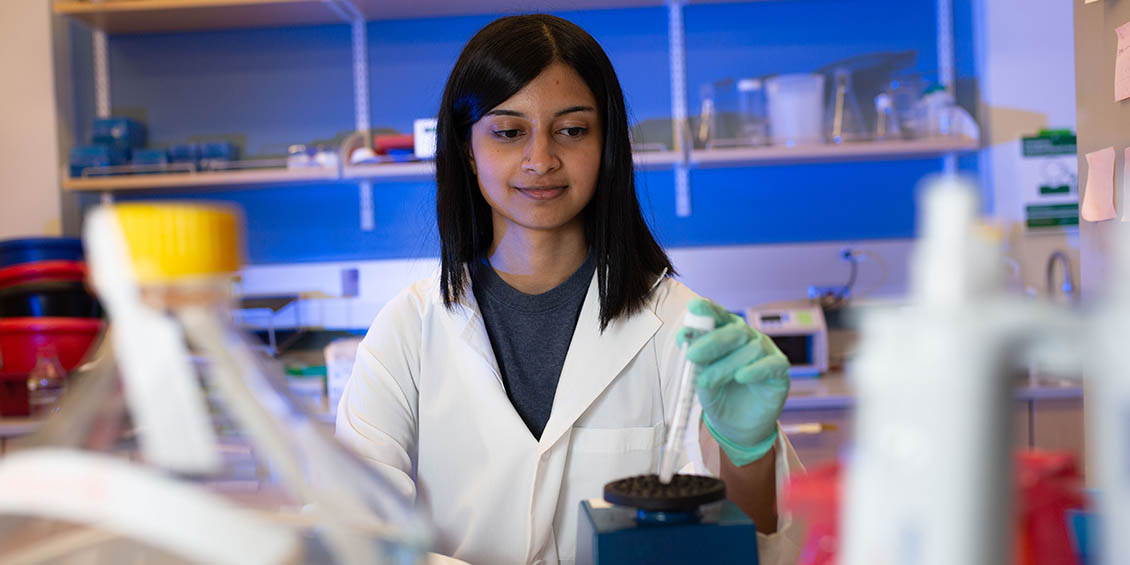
(467, 321)
(593, 361)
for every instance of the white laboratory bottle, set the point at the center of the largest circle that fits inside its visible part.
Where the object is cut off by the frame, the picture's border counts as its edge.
(694, 326)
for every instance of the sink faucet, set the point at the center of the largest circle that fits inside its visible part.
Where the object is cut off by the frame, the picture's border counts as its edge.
(1068, 285)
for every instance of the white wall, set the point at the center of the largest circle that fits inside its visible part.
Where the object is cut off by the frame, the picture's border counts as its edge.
(29, 148)
(1026, 57)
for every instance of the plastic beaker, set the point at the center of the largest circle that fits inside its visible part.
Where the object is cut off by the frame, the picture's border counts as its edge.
(796, 108)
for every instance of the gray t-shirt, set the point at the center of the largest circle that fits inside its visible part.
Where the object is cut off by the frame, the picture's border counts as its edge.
(530, 335)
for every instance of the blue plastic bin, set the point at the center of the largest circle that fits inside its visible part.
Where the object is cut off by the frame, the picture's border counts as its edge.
(122, 133)
(97, 155)
(18, 251)
(185, 153)
(217, 154)
(150, 157)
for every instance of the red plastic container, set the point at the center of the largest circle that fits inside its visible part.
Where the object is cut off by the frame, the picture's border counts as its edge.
(21, 340)
(383, 143)
(42, 271)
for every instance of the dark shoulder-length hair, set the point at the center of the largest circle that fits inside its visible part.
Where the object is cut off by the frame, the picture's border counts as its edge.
(498, 62)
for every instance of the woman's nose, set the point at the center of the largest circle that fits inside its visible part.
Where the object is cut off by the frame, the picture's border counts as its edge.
(541, 156)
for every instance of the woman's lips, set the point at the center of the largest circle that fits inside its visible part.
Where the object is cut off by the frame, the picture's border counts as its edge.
(541, 192)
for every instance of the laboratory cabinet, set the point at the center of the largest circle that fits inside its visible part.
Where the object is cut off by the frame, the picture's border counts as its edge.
(376, 82)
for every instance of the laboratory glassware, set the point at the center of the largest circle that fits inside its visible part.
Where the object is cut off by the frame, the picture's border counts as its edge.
(886, 121)
(843, 117)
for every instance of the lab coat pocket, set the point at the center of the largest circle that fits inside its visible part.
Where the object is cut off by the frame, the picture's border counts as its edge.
(617, 440)
(598, 456)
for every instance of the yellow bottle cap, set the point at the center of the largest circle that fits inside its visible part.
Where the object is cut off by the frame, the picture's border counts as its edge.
(170, 241)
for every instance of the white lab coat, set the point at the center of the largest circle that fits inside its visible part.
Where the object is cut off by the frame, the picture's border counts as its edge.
(426, 402)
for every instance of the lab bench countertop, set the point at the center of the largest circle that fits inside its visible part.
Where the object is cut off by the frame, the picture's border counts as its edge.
(828, 391)
(832, 390)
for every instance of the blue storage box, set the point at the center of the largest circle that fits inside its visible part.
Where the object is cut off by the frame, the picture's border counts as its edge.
(216, 154)
(28, 250)
(149, 157)
(122, 133)
(98, 155)
(185, 153)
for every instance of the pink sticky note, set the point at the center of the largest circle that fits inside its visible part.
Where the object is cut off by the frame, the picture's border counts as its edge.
(1098, 199)
(1122, 63)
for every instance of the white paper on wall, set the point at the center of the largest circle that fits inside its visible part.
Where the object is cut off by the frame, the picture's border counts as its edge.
(1098, 198)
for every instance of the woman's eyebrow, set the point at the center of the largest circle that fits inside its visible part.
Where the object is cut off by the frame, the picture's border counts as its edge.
(557, 114)
(572, 109)
(502, 112)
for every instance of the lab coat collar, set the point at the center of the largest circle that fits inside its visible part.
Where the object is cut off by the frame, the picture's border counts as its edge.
(593, 361)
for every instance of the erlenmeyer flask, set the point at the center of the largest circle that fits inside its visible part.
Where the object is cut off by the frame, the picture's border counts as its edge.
(843, 117)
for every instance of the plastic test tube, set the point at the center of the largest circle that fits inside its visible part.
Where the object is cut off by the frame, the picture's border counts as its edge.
(694, 326)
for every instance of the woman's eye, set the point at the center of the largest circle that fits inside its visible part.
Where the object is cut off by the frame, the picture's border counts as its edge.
(575, 131)
(507, 133)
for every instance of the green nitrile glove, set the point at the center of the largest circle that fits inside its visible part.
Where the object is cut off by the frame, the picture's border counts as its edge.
(742, 382)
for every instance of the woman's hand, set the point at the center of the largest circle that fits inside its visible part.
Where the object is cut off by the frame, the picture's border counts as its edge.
(743, 381)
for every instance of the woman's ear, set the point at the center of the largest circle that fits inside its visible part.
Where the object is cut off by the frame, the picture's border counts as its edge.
(471, 160)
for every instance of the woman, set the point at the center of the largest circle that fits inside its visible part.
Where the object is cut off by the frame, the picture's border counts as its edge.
(540, 362)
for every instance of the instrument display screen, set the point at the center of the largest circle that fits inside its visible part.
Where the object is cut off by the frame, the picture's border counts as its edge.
(797, 348)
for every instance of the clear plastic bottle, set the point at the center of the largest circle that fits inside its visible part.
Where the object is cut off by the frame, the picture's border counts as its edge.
(46, 383)
(886, 121)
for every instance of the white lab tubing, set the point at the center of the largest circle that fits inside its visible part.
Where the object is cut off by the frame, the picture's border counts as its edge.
(136, 503)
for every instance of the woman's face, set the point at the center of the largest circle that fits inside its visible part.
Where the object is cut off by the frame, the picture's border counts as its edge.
(537, 154)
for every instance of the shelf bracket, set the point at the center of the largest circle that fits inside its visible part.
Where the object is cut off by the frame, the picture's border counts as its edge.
(101, 45)
(947, 75)
(677, 53)
(348, 12)
(365, 195)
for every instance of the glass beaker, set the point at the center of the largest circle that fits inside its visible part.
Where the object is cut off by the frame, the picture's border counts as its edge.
(753, 124)
(843, 117)
(732, 114)
(905, 92)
